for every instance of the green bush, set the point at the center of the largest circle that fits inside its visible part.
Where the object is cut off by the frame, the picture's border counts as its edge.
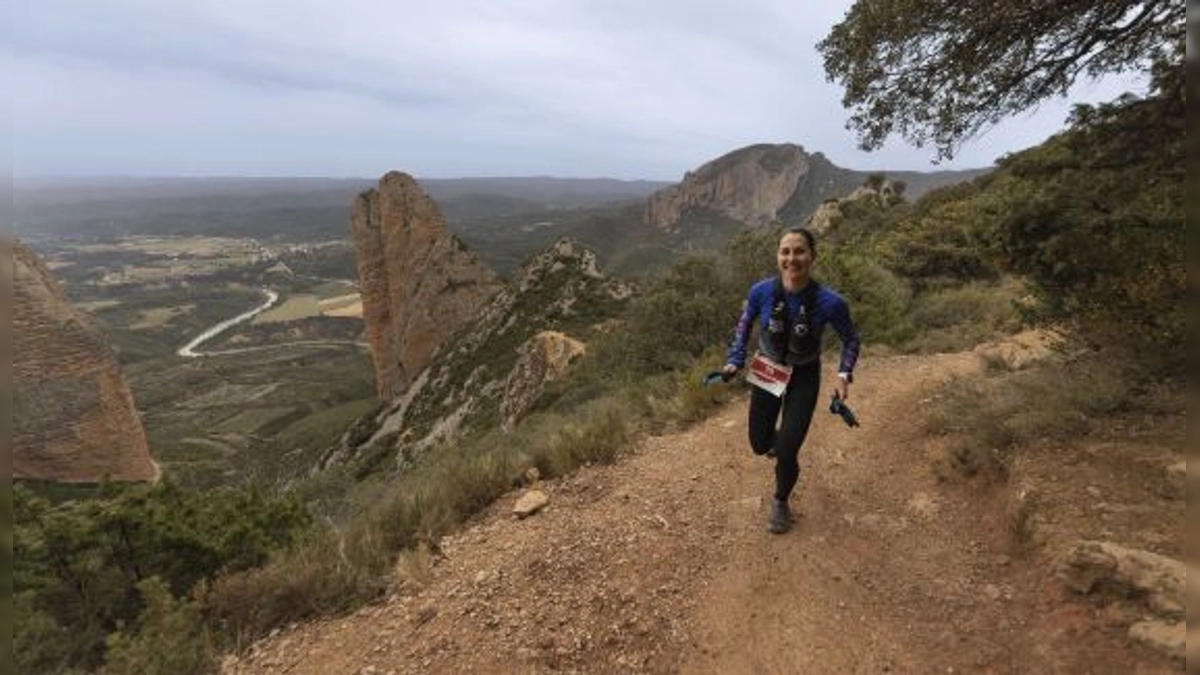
(1095, 219)
(879, 299)
(169, 638)
(961, 317)
(78, 563)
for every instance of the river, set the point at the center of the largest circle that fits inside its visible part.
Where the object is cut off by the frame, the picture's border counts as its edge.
(189, 350)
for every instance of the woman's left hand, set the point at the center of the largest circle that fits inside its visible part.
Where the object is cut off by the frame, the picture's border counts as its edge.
(841, 388)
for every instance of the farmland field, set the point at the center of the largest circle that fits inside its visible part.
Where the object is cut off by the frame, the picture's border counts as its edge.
(226, 418)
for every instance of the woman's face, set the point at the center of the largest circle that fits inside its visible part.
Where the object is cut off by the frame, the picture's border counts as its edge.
(795, 257)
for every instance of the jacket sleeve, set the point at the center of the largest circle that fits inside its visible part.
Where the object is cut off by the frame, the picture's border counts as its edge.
(851, 343)
(736, 356)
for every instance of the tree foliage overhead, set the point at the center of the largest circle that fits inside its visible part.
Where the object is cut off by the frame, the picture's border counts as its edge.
(939, 71)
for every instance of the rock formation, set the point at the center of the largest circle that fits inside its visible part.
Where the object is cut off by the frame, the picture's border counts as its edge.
(543, 358)
(883, 195)
(1157, 583)
(758, 184)
(74, 418)
(464, 389)
(751, 185)
(1102, 566)
(418, 282)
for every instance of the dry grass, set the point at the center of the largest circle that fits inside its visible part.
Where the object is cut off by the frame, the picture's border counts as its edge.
(315, 579)
(414, 567)
(1021, 519)
(989, 416)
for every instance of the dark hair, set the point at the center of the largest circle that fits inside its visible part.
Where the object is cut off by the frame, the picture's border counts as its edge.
(809, 237)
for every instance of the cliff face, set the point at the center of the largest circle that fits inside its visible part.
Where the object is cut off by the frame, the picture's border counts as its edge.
(418, 283)
(751, 185)
(74, 418)
(762, 183)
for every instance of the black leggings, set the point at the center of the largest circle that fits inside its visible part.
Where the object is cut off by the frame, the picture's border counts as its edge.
(798, 403)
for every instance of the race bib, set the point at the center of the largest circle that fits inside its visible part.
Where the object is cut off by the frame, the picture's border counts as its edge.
(768, 375)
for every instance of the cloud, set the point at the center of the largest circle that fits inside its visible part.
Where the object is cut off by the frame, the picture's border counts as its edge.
(513, 87)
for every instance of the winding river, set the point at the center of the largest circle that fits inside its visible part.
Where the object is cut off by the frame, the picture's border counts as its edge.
(189, 350)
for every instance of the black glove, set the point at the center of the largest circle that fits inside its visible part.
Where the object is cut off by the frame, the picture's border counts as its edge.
(714, 376)
(838, 407)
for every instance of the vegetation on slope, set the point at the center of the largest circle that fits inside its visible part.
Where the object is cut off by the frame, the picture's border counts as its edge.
(1082, 235)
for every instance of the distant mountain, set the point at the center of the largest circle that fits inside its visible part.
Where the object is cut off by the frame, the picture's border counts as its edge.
(761, 183)
(547, 191)
(503, 219)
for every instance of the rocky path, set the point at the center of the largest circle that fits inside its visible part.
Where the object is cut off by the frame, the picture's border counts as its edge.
(663, 564)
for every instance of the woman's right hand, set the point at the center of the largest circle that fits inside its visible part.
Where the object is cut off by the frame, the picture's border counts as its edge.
(730, 370)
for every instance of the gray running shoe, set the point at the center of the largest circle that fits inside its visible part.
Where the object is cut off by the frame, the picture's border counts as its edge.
(781, 517)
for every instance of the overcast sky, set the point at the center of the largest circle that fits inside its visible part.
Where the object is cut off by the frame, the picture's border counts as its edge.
(575, 88)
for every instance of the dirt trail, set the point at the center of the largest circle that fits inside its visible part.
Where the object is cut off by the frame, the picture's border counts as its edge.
(663, 564)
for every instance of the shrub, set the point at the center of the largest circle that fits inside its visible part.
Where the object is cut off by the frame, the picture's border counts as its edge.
(169, 638)
(317, 578)
(879, 300)
(1095, 218)
(961, 317)
(80, 561)
(598, 436)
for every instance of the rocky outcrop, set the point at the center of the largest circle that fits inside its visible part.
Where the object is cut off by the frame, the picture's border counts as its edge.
(1101, 566)
(418, 282)
(829, 213)
(751, 185)
(543, 358)
(74, 418)
(759, 184)
(558, 291)
(1155, 582)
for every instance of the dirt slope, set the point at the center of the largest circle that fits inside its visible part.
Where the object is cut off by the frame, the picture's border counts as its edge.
(662, 564)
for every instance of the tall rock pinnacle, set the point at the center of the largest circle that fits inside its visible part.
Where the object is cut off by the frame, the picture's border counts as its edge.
(418, 282)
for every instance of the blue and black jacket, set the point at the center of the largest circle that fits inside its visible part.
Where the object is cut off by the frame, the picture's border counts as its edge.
(791, 325)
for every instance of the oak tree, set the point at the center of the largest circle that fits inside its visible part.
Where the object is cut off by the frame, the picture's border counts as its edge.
(939, 71)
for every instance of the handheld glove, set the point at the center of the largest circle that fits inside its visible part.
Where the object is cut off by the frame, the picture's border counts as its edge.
(716, 376)
(838, 407)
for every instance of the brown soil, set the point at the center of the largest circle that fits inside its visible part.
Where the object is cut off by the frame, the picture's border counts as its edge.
(662, 563)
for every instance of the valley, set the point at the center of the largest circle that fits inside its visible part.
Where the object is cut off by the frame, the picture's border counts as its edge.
(233, 389)
(242, 369)
(233, 308)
